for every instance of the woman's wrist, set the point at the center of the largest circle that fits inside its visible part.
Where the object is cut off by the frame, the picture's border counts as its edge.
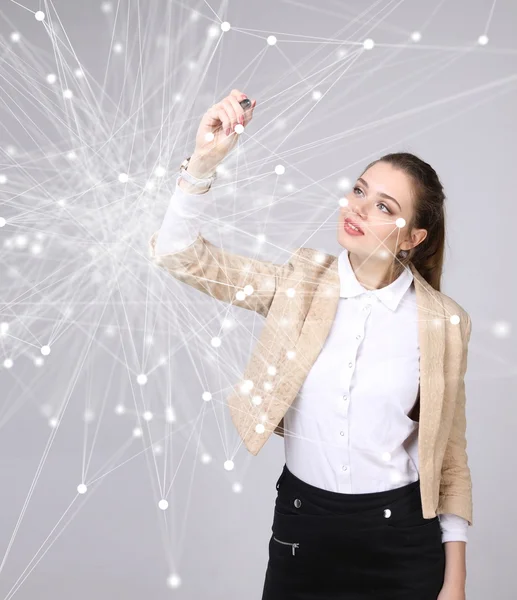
(200, 167)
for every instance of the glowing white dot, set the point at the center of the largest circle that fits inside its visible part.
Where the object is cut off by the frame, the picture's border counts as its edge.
(3, 179)
(271, 370)
(368, 44)
(291, 292)
(15, 37)
(291, 354)
(207, 396)
(268, 386)
(45, 350)
(141, 379)
(209, 137)
(174, 581)
(68, 94)
(79, 73)
(194, 15)
(316, 95)
(261, 238)
(225, 26)
(213, 31)
(147, 416)
(137, 432)
(163, 505)
(248, 290)
(227, 323)
(344, 184)
(228, 465)
(206, 458)
(8, 363)
(21, 241)
(280, 169)
(260, 428)
(106, 7)
(501, 329)
(216, 342)
(416, 36)
(149, 185)
(483, 40)
(71, 155)
(54, 422)
(271, 40)
(4, 328)
(400, 222)
(157, 449)
(39, 15)
(88, 415)
(257, 400)
(386, 456)
(51, 78)
(82, 489)
(319, 258)
(237, 488)
(455, 319)
(239, 128)
(246, 386)
(120, 409)
(240, 295)
(123, 177)
(117, 48)
(160, 171)
(170, 416)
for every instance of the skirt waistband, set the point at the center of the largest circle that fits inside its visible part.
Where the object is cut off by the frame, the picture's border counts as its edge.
(298, 497)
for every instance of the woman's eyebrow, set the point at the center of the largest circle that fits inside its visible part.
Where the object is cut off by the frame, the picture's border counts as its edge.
(365, 183)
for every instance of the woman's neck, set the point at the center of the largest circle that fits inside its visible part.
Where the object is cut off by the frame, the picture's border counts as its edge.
(375, 274)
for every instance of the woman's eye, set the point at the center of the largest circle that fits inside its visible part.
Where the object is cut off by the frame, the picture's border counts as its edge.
(357, 188)
(382, 204)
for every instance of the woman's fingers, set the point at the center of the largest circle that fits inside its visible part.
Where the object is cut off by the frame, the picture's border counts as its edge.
(219, 115)
(229, 108)
(239, 111)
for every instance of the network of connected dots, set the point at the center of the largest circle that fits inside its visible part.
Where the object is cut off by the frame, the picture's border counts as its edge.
(90, 161)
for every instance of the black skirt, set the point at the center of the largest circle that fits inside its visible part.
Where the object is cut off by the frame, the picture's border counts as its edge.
(329, 545)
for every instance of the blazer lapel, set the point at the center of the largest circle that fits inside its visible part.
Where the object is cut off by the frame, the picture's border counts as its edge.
(431, 334)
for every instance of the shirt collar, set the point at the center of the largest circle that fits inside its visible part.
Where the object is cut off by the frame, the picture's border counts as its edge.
(390, 295)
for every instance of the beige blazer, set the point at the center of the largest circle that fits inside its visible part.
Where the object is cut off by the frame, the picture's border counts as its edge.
(299, 300)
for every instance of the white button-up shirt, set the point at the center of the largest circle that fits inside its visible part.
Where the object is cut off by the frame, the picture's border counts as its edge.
(348, 429)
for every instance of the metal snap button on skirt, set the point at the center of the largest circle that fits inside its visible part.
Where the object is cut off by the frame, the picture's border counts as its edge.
(352, 546)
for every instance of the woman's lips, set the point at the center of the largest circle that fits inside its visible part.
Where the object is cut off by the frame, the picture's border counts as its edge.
(350, 230)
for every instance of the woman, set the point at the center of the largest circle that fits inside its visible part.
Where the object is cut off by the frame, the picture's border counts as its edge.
(360, 367)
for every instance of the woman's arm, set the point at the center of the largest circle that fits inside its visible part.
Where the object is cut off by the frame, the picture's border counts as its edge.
(185, 254)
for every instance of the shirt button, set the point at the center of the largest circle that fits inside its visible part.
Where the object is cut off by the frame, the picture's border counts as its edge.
(345, 468)
(387, 513)
(358, 336)
(367, 307)
(297, 503)
(341, 433)
(350, 364)
(345, 397)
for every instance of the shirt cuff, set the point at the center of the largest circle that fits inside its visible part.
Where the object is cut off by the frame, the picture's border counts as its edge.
(454, 528)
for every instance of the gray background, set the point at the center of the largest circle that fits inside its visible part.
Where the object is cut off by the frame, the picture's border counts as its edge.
(75, 272)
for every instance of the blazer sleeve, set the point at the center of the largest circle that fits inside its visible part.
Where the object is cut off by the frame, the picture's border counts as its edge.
(456, 482)
(239, 280)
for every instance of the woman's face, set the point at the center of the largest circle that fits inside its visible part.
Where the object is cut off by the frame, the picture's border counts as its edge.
(381, 205)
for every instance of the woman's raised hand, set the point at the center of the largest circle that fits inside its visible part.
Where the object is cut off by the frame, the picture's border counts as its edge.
(215, 137)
